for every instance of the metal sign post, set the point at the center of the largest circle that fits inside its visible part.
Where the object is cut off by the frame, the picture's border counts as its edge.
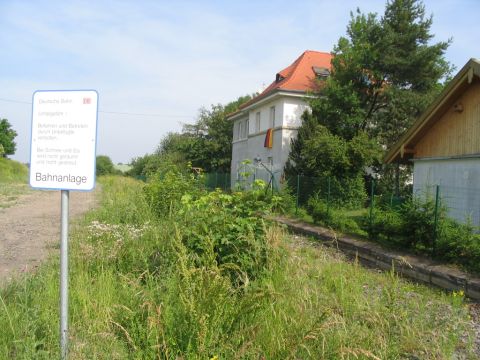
(62, 157)
(64, 274)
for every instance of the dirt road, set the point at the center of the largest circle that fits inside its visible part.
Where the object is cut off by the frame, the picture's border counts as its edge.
(31, 228)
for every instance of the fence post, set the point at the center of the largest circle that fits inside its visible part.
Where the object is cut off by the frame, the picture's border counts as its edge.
(298, 193)
(216, 180)
(372, 202)
(435, 224)
(328, 196)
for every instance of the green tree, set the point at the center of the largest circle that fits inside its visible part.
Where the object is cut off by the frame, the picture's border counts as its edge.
(7, 137)
(342, 161)
(384, 73)
(208, 142)
(104, 165)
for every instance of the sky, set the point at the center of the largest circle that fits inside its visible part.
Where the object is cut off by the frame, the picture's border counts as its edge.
(156, 63)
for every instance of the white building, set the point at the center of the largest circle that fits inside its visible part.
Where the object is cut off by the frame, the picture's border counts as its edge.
(275, 113)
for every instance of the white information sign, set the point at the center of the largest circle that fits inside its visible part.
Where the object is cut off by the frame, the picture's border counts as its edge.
(63, 142)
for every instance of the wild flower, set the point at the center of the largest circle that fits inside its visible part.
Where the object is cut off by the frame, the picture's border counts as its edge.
(116, 231)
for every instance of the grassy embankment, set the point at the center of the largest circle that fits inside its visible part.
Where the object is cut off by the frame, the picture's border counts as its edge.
(140, 290)
(13, 181)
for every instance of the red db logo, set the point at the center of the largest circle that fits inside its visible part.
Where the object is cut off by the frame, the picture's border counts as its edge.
(87, 101)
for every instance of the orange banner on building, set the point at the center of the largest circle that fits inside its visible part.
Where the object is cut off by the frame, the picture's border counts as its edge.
(268, 139)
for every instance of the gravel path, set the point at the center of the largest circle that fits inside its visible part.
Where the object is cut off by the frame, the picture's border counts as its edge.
(30, 229)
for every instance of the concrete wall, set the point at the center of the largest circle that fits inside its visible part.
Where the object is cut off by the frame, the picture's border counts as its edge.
(459, 184)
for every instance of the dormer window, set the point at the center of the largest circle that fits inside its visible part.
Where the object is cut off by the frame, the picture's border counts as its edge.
(321, 72)
(279, 78)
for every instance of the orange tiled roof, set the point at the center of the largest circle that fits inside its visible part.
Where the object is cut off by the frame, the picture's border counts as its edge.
(298, 76)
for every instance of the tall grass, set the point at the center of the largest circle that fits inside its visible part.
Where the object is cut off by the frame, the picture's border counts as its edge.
(12, 171)
(13, 181)
(138, 292)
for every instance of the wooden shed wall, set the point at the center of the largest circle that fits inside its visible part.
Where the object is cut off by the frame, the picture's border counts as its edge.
(455, 133)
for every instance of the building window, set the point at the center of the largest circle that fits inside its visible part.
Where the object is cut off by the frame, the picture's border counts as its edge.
(257, 122)
(240, 130)
(235, 126)
(321, 73)
(247, 128)
(272, 117)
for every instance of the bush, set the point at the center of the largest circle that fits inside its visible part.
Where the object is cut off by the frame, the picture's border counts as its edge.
(384, 225)
(346, 193)
(150, 164)
(218, 229)
(165, 189)
(104, 165)
(458, 243)
(418, 222)
(330, 216)
(412, 226)
(228, 230)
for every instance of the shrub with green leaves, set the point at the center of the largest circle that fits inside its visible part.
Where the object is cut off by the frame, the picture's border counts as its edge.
(165, 189)
(228, 230)
(383, 224)
(412, 226)
(330, 216)
(459, 243)
(418, 217)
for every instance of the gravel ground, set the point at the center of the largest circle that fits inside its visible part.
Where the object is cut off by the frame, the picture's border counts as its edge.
(30, 229)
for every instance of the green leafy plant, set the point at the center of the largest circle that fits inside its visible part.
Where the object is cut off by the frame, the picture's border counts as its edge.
(330, 216)
(228, 230)
(166, 188)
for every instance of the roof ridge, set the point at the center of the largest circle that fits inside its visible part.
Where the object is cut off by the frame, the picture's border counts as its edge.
(319, 52)
(293, 65)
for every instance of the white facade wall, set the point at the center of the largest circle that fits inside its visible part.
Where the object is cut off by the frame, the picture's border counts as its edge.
(293, 110)
(264, 111)
(458, 185)
(288, 112)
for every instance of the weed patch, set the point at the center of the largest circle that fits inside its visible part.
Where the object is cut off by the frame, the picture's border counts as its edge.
(210, 279)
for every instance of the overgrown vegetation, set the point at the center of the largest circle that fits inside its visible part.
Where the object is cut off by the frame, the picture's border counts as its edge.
(104, 166)
(13, 181)
(414, 225)
(200, 275)
(330, 215)
(7, 139)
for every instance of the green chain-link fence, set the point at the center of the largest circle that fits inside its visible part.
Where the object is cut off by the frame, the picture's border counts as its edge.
(217, 181)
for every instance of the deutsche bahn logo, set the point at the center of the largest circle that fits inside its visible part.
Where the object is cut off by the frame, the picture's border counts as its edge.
(87, 100)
